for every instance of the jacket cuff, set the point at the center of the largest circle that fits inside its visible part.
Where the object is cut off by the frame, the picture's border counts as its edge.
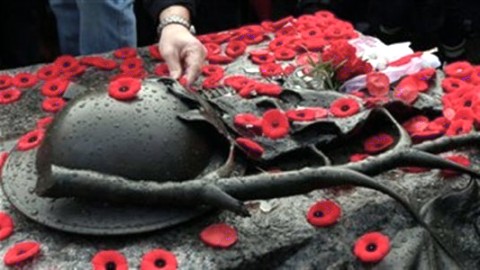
(157, 6)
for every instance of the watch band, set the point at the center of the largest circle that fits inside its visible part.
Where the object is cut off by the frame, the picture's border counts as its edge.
(175, 19)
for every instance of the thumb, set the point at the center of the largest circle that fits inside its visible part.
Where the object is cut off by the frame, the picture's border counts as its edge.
(172, 58)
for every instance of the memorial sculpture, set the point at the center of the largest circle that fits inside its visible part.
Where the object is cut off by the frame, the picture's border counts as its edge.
(269, 119)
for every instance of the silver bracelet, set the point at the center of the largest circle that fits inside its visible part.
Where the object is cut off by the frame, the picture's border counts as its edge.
(175, 19)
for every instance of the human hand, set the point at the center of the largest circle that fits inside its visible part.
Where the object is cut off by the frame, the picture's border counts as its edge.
(182, 51)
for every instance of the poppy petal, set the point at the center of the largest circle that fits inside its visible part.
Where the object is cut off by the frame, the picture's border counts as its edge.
(21, 252)
(159, 259)
(219, 235)
(344, 107)
(372, 247)
(378, 143)
(275, 124)
(324, 213)
(124, 88)
(108, 260)
(9, 96)
(6, 222)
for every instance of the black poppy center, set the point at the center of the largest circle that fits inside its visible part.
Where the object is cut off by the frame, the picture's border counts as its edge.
(66, 64)
(275, 124)
(371, 247)
(24, 79)
(345, 108)
(318, 214)
(20, 251)
(48, 73)
(301, 114)
(131, 66)
(468, 103)
(455, 85)
(111, 266)
(458, 130)
(53, 87)
(123, 89)
(32, 139)
(160, 263)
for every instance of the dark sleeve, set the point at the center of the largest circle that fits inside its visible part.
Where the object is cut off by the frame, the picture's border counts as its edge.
(154, 7)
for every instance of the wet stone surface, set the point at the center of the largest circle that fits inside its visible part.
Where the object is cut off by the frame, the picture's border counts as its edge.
(276, 236)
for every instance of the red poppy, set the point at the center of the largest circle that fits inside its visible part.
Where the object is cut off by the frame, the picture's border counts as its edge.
(162, 70)
(124, 53)
(275, 124)
(235, 48)
(99, 62)
(450, 85)
(323, 14)
(6, 222)
(253, 148)
(460, 159)
(461, 70)
(301, 115)
(48, 72)
(43, 123)
(280, 42)
(358, 157)
(155, 52)
(378, 143)
(66, 62)
(53, 104)
(416, 124)
(237, 82)
(31, 140)
(9, 96)
(271, 70)
(344, 107)
(74, 72)
(262, 59)
(211, 82)
(220, 38)
(441, 122)
(248, 121)
(282, 22)
(124, 88)
(288, 30)
(312, 33)
(269, 89)
(406, 91)
(219, 235)
(425, 74)
(371, 247)
(459, 127)
(335, 32)
(427, 134)
(378, 84)
(464, 113)
(312, 45)
(131, 64)
(208, 70)
(249, 90)
(324, 213)
(109, 260)
(284, 54)
(159, 259)
(219, 59)
(212, 48)
(5, 81)
(475, 76)
(24, 80)
(21, 252)
(54, 88)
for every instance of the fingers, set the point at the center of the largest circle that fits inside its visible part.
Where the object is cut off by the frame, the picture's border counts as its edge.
(172, 58)
(194, 58)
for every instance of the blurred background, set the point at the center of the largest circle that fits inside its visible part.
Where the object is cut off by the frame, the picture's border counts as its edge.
(28, 27)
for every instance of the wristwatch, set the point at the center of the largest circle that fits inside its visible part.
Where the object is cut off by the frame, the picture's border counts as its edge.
(175, 19)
